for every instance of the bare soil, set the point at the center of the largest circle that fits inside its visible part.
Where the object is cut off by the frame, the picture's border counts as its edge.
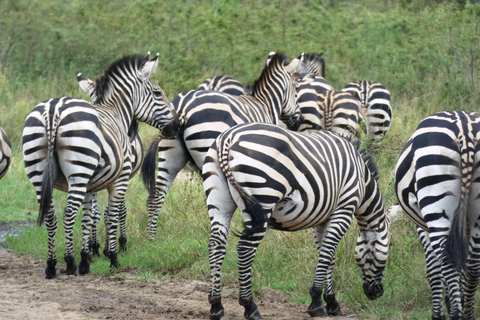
(26, 294)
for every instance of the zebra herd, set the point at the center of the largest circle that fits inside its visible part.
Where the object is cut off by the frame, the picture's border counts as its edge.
(242, 140)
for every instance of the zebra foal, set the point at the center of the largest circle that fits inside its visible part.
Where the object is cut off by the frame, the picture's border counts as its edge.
(292, 181)
(437, 183)
(206, 114)
(80, 148)
(5, 152)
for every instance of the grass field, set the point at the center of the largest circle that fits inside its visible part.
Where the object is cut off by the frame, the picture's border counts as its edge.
(426, 54)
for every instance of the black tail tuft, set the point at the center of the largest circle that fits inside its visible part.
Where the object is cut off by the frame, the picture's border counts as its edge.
(257, 214)
(47, 191)
(149, 166)
(456, 246)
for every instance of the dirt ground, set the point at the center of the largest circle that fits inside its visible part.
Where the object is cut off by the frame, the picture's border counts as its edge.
(26, 294)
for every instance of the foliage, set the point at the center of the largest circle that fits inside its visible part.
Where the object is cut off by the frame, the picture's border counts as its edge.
(425, 52)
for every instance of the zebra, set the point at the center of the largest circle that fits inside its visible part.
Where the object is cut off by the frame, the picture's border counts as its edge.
(223, 84)
(313, 64)
(206, 114)
(80, 148)
(375, 106)
(137, 152)
(437, 183)
(5, 152)
(292, 181)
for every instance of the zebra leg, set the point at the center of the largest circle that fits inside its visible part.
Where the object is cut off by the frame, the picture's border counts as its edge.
(51, 225)
(472, 274)
(70, 213)
(434, 275)
(94, 245)
(172, 157)
(246, 249)
(221, 207)
(87, 222)
(116, 199)
(122, 240)
(327, 236)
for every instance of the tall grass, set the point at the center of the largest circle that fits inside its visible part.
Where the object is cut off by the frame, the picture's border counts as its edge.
(425, 54)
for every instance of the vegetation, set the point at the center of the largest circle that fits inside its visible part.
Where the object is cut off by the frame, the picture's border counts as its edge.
(427, 53)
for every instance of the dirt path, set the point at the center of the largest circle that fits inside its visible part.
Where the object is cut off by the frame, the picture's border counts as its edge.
(25, 294)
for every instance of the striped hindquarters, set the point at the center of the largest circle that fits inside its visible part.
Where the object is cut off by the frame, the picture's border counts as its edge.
(375, 106)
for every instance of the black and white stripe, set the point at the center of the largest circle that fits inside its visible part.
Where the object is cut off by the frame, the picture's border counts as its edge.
(5, 152)
(206, 114)
(438, 186)
(80, 148)
(292, 181)
(223, 84)
(375, 106)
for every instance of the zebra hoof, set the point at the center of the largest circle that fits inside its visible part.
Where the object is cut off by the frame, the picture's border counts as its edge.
(216, 311)
(71, 266)
(94, 248)
(251, 312)
(113, 260)
(316, 312)
(84, 266)
(333, 308)
(438, 317)
(50, 271)
(123, 244)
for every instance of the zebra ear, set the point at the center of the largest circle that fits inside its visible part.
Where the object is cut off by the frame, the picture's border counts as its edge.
(295, 64)
(85, 83)
(270, 56)
(148, 67)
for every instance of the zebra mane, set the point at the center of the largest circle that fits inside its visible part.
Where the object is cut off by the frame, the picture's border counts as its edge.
(103, 84)
(313, 62)
(368, 159)
(277, 59)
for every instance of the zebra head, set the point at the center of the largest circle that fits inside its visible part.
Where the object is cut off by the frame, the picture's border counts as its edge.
(129, 80)
(291, 114)
(371, 251)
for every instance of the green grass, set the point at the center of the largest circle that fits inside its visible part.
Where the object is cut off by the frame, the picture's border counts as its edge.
(425, 54)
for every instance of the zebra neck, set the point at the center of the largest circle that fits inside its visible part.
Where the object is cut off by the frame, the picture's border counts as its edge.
(118, 119)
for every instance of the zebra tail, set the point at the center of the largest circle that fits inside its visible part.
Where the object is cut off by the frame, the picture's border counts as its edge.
(50, 171)
(149, 166)
(456, 246)
(252, 206)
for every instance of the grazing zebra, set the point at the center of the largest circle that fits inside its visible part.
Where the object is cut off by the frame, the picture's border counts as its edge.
(375, 106)
(437, 182)
(79, 148)
(292, 181)
(137, 152)
(5, 152)
(206, 114)
(223, 84)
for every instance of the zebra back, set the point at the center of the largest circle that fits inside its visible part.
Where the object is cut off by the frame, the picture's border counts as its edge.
(375, 106)
(223, 84)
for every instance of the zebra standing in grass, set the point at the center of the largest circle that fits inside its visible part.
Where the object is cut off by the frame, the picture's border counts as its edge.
(375, 106)
(206, 114)
(5, 152)
(137, 153)
(292, 181)
(79, 148)
(437, 183)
